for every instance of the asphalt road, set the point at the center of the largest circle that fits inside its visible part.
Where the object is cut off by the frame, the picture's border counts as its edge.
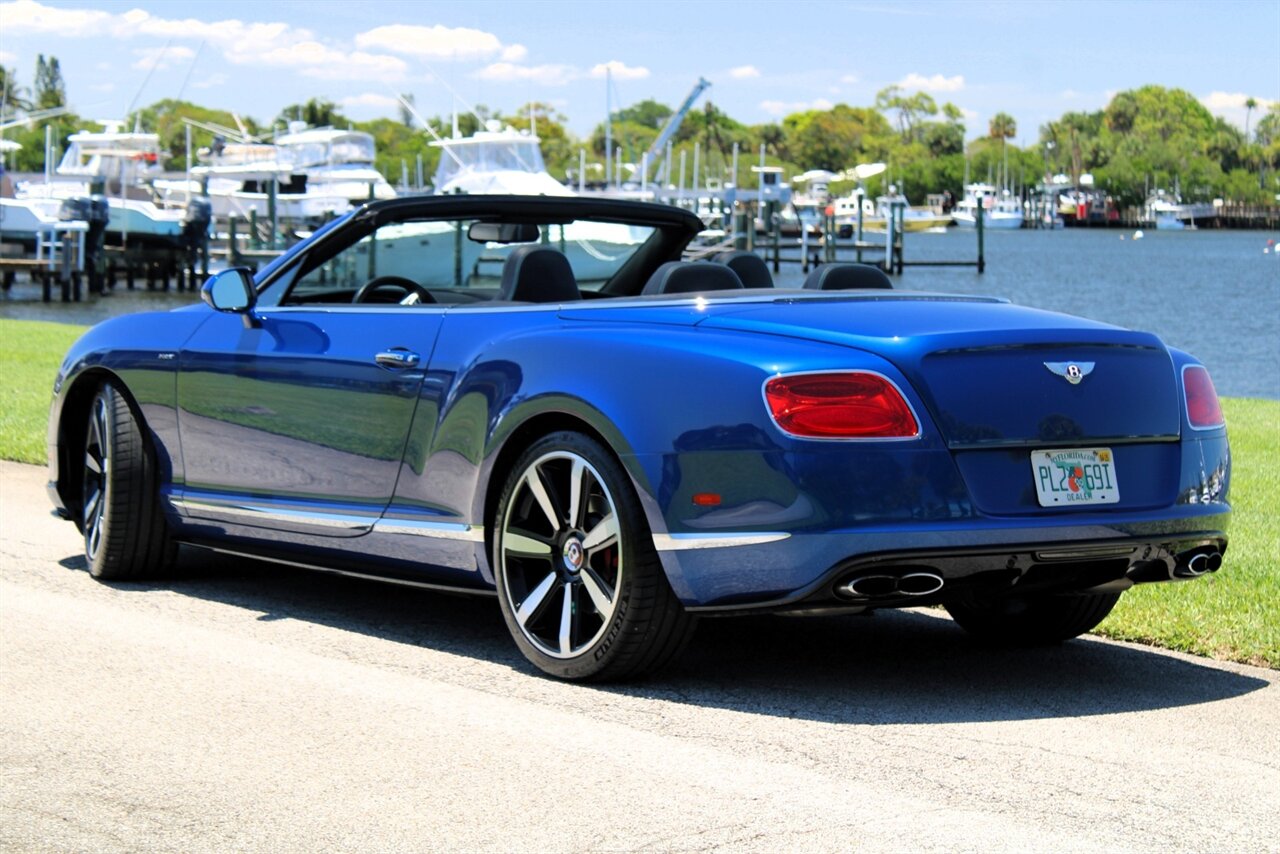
(244, 706)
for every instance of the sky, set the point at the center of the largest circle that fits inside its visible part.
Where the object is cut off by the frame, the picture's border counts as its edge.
(1033, 60)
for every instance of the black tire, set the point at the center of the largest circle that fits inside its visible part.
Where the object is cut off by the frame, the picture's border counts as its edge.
(579, 583)
(1030, 620)
(125, 534)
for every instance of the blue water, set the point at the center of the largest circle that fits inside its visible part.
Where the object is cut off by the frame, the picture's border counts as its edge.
(1212, 293)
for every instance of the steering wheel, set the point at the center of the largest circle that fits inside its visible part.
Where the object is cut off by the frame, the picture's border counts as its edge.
(387, 283)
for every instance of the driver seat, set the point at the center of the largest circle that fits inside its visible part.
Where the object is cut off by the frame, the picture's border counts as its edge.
(537, 273)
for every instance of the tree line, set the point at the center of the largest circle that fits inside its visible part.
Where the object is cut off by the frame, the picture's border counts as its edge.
(1145, 138)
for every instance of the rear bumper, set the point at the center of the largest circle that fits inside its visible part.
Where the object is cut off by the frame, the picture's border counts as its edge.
(804, 567)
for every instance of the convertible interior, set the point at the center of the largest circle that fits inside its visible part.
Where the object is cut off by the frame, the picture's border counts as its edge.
(486, 250)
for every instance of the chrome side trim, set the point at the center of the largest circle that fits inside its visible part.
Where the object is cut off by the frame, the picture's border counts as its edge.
(432, 530)
(257, 514)
(681, 542)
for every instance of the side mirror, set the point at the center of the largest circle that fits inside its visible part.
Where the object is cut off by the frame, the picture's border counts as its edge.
(503, 232)
(232, 291)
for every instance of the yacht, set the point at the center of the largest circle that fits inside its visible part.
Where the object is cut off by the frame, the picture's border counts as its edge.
(1000, 208)
(123, 164)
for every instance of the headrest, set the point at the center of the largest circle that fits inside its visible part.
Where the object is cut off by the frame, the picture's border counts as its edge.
(684, 277)
(749, 266)
(840, 277)
(537, 273)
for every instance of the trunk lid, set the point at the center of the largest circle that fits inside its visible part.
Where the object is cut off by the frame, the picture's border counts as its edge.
(993, 374)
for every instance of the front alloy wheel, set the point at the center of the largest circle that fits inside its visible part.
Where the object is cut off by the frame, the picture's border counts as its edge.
(580, 585)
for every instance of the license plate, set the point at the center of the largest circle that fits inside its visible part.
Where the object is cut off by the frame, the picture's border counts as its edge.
(1070, 477)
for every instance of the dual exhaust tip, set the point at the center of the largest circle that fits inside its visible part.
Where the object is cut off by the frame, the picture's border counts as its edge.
(1198, 563)
(883, 586)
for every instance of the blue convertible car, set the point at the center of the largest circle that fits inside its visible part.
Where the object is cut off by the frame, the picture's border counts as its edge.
(536, 399)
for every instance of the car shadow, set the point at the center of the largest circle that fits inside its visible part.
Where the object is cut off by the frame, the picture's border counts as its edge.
(896, 667)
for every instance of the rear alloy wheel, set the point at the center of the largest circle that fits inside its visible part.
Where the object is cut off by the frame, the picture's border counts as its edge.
(125, 534)
(1030, 620)
(579, 582)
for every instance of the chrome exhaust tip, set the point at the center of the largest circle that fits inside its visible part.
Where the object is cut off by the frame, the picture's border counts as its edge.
(882, 586)
(1197, 564)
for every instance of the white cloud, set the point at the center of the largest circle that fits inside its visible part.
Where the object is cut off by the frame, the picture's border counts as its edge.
(543, 75)
(105, 86)
(786, 108)
(1068, 94)
(162, 58)
(1230, 106)
(27, 16)
(211, 82)
(620, 70)
(514, 53)
(435, 42)
(936, 83)
(744, 72)
(6, 57)
(849, 78)
(370, 99)
(243, 43)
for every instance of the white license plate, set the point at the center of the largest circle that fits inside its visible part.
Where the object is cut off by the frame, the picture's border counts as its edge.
(1069, 477)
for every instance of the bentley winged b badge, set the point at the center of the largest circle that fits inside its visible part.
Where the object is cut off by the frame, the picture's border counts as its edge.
(1072, 372)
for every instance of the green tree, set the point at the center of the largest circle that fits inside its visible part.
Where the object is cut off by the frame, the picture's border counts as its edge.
(910, 109)
(1250, 104)
(50, 89)
(15, 97)
(169, 118)
(316, 112)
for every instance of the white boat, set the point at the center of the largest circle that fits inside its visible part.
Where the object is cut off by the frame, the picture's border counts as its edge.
(506, 161)
(335, 162)
(123, 164)
(237, 177)
(875, 215)
(496, 160)
(1169, 213)
(1000, 209)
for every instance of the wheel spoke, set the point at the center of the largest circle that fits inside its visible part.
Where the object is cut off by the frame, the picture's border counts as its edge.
(605, 533)
(91, 462)
(566, 620)
(577, 475)
(91, 507)
(533, 480)
(533, 603)
(513, 543)
(601, 594)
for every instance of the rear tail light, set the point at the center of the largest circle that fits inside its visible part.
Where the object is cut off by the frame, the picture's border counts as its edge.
(844, 405)
(1203, 409)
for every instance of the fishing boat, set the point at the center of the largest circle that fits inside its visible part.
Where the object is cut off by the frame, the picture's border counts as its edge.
(122, 164)
(335, 162)
(919, 218)
(496, 160)
(1168, 212)
(1000, 208)
(504, 161)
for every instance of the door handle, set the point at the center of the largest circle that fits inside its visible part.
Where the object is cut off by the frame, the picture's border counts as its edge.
(397, 358)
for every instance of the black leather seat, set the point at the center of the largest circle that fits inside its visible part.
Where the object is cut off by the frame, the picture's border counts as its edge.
(749, 266)
(537, 273)
(840, 277)
(685, 277)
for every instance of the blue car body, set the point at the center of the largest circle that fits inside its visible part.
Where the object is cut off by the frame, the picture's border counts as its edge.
(285, 438)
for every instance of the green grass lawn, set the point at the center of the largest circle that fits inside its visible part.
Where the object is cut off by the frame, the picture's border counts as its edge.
(1233, 615)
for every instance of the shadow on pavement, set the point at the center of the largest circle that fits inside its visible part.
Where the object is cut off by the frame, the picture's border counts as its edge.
(892, 668)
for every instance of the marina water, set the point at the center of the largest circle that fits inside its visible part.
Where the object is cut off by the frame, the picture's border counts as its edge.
(1215, 294)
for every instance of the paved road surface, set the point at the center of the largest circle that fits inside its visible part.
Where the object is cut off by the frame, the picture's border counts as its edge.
(243, 706)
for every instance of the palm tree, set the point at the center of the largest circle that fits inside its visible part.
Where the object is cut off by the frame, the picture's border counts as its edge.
(1003, 127)
(1250, 104)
